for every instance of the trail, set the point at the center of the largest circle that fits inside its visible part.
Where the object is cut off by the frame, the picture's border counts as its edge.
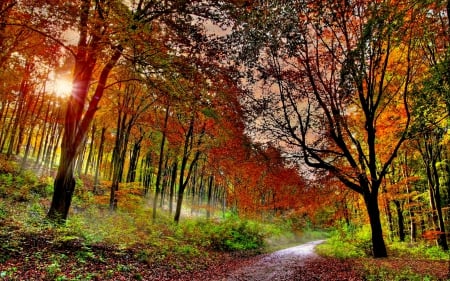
(276, 266)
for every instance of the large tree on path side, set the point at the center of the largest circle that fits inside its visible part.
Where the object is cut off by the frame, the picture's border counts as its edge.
(328, 71)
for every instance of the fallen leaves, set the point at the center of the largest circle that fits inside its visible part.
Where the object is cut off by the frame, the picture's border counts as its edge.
(46, 260)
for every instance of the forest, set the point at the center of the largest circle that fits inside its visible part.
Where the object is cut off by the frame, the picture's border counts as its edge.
(189, 133)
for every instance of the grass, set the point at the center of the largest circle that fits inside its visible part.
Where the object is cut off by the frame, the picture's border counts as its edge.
(406, 261)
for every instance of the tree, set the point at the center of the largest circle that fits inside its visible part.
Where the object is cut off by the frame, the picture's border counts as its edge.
(77, 121)
(329, 72)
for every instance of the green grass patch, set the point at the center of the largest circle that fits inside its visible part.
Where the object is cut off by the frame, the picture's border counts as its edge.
(418, 250)
(347, 242)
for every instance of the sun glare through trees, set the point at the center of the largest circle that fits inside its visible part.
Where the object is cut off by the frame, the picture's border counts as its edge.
(62, 87)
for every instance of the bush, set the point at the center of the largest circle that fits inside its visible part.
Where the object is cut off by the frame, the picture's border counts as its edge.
(23, 186)
(237, 235)
(8, 166)
(342, 249)
(347, 242)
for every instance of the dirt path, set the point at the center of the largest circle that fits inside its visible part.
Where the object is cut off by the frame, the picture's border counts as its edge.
(277, 266)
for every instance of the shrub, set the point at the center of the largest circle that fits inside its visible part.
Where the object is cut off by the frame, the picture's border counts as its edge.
(342, 249)
(347, 242)
(7, 166)
(237, 235)
(23, 186)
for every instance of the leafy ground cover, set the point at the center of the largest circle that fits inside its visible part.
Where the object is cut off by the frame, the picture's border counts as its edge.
(350, 250)
(50, 253)
(44, 261)
(96, 244)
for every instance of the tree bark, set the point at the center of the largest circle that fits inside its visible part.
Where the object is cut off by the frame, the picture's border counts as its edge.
(400, 220)
(442, 239)
(19, 111)
(160, 162)
(64, 186)
(172, 184)
(99, 160)
(135, 153)
(210, 189)
(90, 151)
(39, 101)
(186, 153)
(378, 245)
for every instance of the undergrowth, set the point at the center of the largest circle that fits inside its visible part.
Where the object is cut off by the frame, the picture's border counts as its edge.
(354, 243)
(24, 200)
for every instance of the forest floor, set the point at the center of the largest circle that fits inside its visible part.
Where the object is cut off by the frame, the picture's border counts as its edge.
(40, 258)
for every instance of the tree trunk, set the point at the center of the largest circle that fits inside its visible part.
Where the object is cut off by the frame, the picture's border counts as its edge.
(51, 144)
(20, 112)
(389, 217)
(195, 190)
(400, 220)
(164, 183)
(378, 245)
(64, 187)
(430, 152)
(179, 203)
(55, 148)
(78, 120)
(413, 226)
(409, 201)
(442, 239)
(186, 153)
(80, 158)
(39, 101)
(160, 163)
(45, 127)
(210, 188)
(131, 175)
(99, 160)
(447, 177)
(5, 124)
(147, 172)
(91, 150)
(172, 185)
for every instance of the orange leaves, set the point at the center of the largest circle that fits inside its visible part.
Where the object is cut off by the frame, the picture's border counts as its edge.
(432, 234)
(259, 180)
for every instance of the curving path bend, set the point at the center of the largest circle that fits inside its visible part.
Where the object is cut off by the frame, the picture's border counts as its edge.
(277, 266)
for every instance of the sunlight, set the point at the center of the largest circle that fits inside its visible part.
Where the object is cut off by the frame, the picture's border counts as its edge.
(62, 87)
